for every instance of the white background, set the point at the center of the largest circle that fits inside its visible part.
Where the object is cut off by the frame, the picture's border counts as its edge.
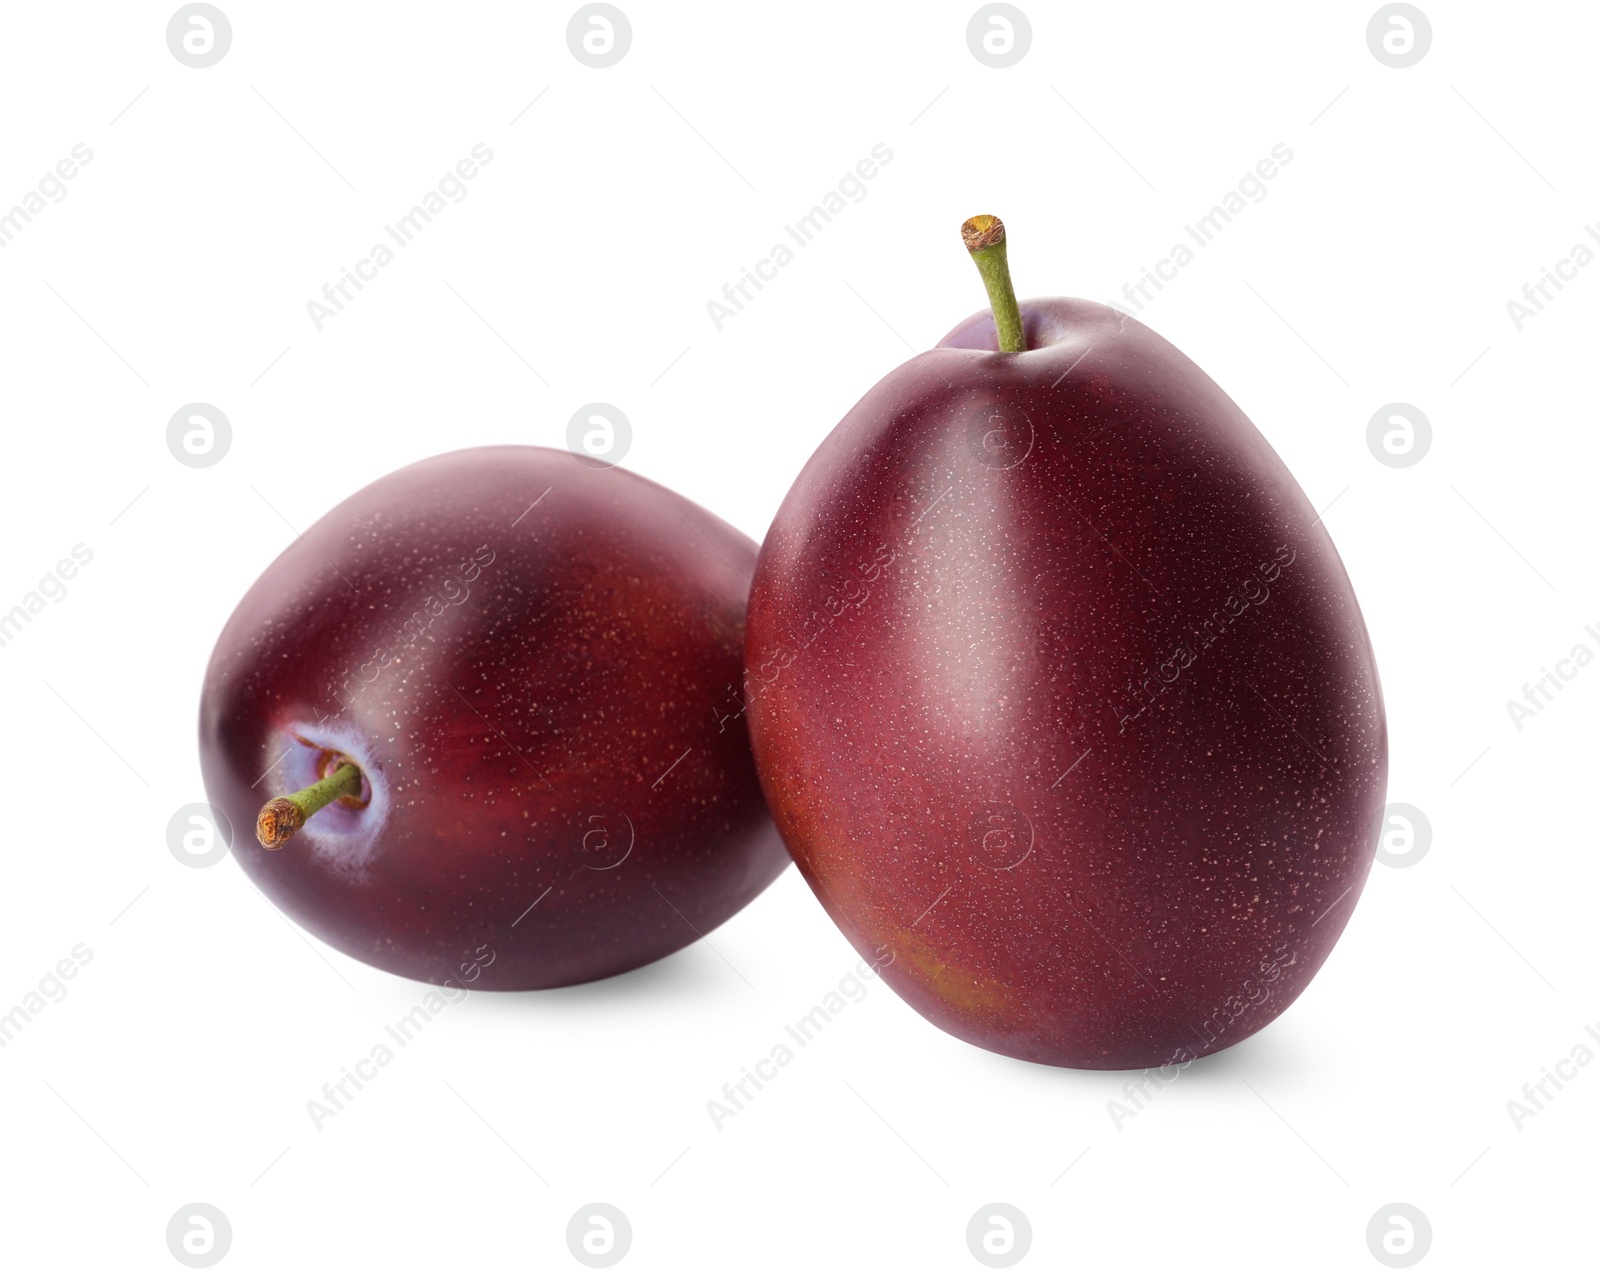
(578, 269)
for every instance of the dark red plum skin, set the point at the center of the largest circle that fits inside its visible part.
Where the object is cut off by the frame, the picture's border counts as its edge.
(536, 663)
(1062, 700)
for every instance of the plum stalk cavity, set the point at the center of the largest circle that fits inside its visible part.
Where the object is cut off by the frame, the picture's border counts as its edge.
(282, 817)
(985, 238)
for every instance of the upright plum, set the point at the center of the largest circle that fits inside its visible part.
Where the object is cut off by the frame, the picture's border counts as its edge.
(1059, 691)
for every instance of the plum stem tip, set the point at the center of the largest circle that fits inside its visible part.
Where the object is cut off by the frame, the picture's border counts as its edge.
(985, 238)
(283, 816)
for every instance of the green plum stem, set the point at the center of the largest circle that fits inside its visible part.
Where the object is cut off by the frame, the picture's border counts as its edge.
(282, 816)
(985, 237)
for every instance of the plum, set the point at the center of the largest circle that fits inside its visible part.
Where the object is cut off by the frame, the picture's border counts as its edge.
(509, 679)
(1060, 694)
